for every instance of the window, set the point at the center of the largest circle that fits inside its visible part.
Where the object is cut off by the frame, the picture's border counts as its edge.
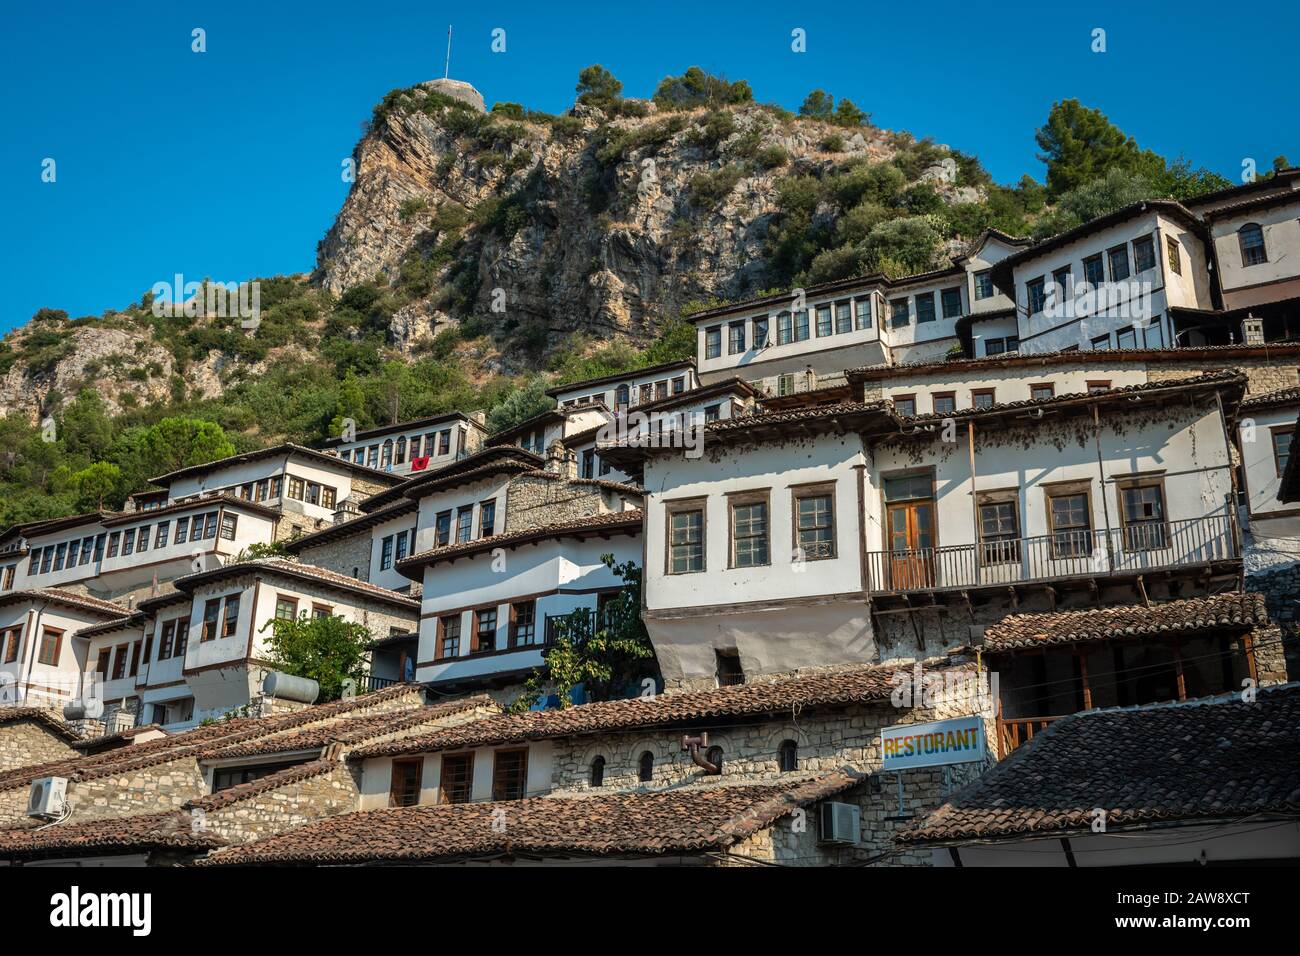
(298, 488)
(814, 519)
(449, 636)
(101, 664)
(48, 557)
(385, 457)
(51, 644)
(386, 553)
(679, 384)
(1062, 286)
(801, 325)
(1251, 238)
(905, 405)
(1175, 259)
(165, 638)
(119, 662)
(945, 403)
(286, 608)
(1043, 390)
(399, 453)
(760, 333)
(128, 543)
(983, 398)
(33, 566)
(135, 660)
(862, 307)
(685, 538)
(99, 547)
(13, 639)
(785, 384)
(487, 518)
(645, 767)
(141, 541)
(898, 317)
(1144, 254)
(787, 756)
(1071, 523)
(1126, 338)
(661, 388)
(210, 611)
(749, 532)
(999, 346)
(9, 576)
(843, 317)
(228, 524)
(1037, 295)
(925, 308)
(714, 756)
(598, 772)
(209, 525)
(444, 442)
(735, 339)
(230, 620)
(523, 623)
(999, 527)
(402, 541)
(1155, 338)
(510, 774)
(182, 524)
(784, 328)
(1142, 508)
(727, 668)
(984, 284)
(1094, 272)
(1098, 385)
(588, 469)
(442, 529)
(313, 493)
(485, 629)
(160, 539)
(113, 540)
(1101, 343)
(182, 637)
(713, 342)
(464, 523)
(622, 397)
(951, 302)
(712, 413)
(823, 320)
(1282, 447)
(404, 786)
(60, 555)
(457, 782)
(1118, 257)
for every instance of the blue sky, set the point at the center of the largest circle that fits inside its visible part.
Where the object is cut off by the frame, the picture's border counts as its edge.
(226, 163)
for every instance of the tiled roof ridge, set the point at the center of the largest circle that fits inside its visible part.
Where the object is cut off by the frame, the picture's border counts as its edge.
(73, 598)
(272, 781)
(608, 519)
(42, 715)
(168, 828)
(302, 570)
(1278, 396)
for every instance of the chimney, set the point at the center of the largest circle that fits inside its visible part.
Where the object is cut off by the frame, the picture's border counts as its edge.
(561, 461)
(1252, 330)
(346, 511)
(478, 416)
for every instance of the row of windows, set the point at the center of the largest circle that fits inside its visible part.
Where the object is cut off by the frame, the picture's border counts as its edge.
(390, 452)
(945, 403)
(787, 758)
(94, 548)
(395, 547)
(219, 624)
(286, 608)
(509, 778)
(312, 492)
(1114, 264)
(464, 523)
(628, 395)
(831, 319)
(900, 314)
(263, 490)
(593, 465)
(522, 632)
(749, 529)
(47, 653)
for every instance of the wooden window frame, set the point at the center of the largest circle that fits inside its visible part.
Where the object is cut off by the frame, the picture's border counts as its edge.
(119, 662)
(1149, 240)
(406, 764)
(477, 614)
(894, 322)
(512, 639)
(1007, 551)
(497, 787)
(1097, 384)
(483, 530)
(1173, 255)
(933, 310)
(467, 783)
(818, 490)
(1066, 489)
(1100, 259)
(1132, 482)
(1241, 243)
(13, 638)
(978, 282)
(678, 506)
(1038, 284)
(1274, 431)
(281, 599)
(904, 397)
(204, 636)
(440, 635)
(744, 499)
(976, 393)
(713, 343)
(1111, 253)
(934, 402)
(229, 628)
(943, 304)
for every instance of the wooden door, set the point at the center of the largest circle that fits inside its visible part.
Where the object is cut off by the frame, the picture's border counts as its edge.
(911, 544)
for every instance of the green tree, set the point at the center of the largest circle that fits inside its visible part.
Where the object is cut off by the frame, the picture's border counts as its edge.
(698, 88)
(1080, 144)
(847, 114)
(329, 650)
(818, 105)
(606, 653)
(350, 404)
(597, 87)
(86, 430)
(521, 404)
(96, 482)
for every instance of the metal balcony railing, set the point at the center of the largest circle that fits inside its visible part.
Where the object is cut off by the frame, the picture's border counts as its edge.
(1065, 554)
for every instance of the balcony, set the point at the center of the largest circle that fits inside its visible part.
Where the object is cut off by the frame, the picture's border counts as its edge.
(1014, 732)
(1133, 550)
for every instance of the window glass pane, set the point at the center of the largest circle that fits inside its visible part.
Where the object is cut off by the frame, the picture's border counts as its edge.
(816, 527)
(686, 544)
(749, 530)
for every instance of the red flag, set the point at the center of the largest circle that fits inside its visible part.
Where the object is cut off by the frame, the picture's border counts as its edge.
(419, 464)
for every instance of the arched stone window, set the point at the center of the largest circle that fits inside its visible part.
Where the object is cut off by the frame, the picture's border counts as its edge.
(646, 767)
(714, 756)
(598, 772)
(787, 756)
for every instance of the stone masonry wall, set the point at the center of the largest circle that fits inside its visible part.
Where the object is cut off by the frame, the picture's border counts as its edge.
(533, 502)
(282, 808)
(342, 555)
(24, 743)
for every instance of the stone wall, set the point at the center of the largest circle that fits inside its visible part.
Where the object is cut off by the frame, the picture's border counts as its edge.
(363, 488)
(1281, 590)
(267, 812)
(534, 502)
(342, 555)
(26, 742)
(1261, 376)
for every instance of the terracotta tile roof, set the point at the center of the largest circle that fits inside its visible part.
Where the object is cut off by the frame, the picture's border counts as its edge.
(149, 831)
(362, 522)
(505, 459)
(190, 503)
(67, 598)
(272, 781)
(622, 487)
(613, 521)
(858, 685)
(43, 716)
(1278, 397)
(192, 743)
(295, 569)
(349, 730)
(92, 744)
(284, 448)
(1222, 611)
(1213, 759)
(685, 820)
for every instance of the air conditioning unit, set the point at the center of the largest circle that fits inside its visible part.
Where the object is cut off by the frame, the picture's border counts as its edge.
(47, 797)
(839, 823)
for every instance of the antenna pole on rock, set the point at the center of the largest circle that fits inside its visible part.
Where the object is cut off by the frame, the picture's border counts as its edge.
(446, 73)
